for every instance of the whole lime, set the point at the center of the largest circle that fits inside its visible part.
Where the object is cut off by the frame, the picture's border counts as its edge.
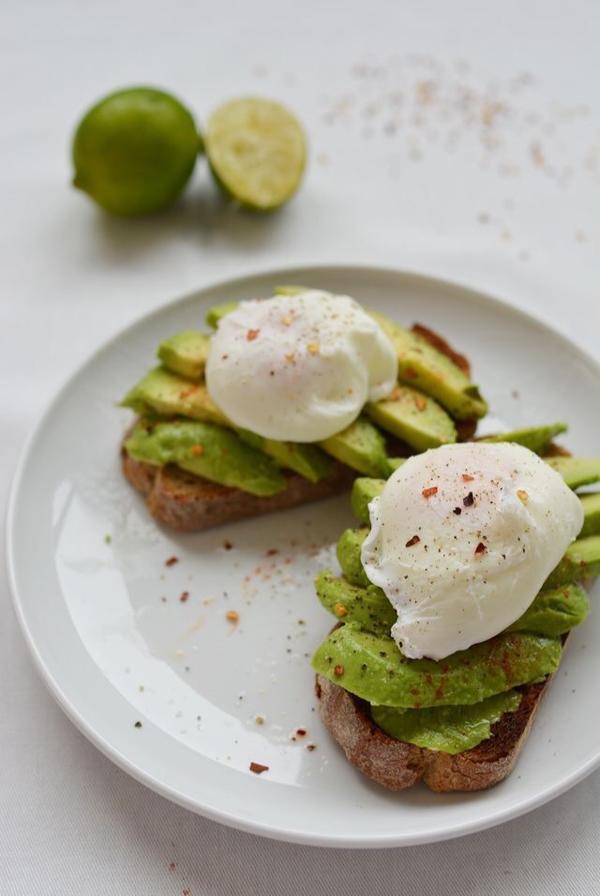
(135, 150)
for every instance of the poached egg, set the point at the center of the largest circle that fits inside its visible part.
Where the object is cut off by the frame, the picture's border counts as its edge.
(462, 539)
(299, 368)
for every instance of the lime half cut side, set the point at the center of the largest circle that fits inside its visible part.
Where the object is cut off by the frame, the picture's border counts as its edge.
(257, 152)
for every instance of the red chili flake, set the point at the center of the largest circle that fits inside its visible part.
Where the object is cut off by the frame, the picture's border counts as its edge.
(197, 450)
(258, 768)
(172, 561)
(420, 403)
(457, 511)
(251, 335)
(467, 478)
(338, 670)
(301, 732)
(189, 391)
(481, 548)
(171, 866)
(414, 540)
(227, 545)
(184, 596)
(428, 492)
(469, 500)
(272, 551)
(186, 892)
(410, 373)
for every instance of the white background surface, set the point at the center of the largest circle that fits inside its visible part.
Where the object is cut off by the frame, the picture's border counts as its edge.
(461, 139)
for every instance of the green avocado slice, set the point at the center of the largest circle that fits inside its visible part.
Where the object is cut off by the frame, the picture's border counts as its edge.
(448, 729)
(368, 608)
(305, 459)
(591, 514)
(414, 417)
(360, 446)
(185, 353)
(554, 612)
(576, 471)
(581, 561)
(372, 667)
(363, 492)
(214, 314)
(348, 555)
(536, 438)
(423, 366)
(163, 392)
(209, 451)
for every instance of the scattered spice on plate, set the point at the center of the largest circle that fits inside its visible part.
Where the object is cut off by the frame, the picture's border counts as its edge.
(272, 551)
(481, 548)
(184, 596)
(522, 495)
(197, 450)
(467, 478)
(338, 670)
(311, 747)
(457, 511)
(260, 720)
(428, 492)
(227, 545)
(258, 768)
(469, 500)
(232, 615)
(137, 725)
(251, 335)
(340, 610)
(301, 732)
(107, 538)
(172, 561)
(412, 541)
(420, 403)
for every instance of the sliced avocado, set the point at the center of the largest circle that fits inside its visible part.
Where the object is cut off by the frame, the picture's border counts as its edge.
(360, 446)
(348, 555)
(423, 366)
(396, 462)
(576, 471)
(554, 612)
(166, 393)
(306, 459)
(581, 561)
(363, 492)
(368, 608)
(214, 314)
(449, 729)
(290, 290)
(536, 438)
(591, 514)
(185, 353)
(414, 417)
(372, 667)
(209, 451)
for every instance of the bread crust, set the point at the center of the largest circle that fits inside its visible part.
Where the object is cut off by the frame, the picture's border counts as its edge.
(188, 503)
(397, 765)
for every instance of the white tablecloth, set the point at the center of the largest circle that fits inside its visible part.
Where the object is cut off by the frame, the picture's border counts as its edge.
(461, 139)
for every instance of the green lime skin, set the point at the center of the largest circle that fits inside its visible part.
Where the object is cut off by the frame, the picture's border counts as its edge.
(134, 151)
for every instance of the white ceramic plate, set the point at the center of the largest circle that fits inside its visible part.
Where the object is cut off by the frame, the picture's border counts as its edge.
(116, 645)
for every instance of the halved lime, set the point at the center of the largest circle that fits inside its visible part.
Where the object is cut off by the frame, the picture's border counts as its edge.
(257, 152)
(135, 150)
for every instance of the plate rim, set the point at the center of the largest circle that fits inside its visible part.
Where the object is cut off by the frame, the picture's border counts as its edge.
(77, 717)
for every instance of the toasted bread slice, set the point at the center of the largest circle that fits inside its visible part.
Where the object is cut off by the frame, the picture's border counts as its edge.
(188, 503)
(397, 765)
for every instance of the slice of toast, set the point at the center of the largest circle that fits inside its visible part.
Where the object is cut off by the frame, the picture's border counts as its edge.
(397, 765)
(188, 503)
